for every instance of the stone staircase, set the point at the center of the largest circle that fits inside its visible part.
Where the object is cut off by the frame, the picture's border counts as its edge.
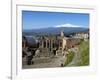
(59, 53)
(45, 53)
(42, 60)
(45, 56)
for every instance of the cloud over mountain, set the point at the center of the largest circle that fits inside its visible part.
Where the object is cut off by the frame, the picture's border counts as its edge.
(68, 25)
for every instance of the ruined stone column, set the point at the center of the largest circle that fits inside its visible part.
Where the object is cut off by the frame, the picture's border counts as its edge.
(46, 43)
(59, 44)
(51, 43)
(42, 44)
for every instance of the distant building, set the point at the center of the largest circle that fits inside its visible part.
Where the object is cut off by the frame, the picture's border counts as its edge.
(82, 35)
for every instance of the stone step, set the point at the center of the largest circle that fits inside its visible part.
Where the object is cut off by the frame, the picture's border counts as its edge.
(42, 60)
(44, 55)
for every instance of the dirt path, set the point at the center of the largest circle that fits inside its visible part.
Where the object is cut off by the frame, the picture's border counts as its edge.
(75, 59)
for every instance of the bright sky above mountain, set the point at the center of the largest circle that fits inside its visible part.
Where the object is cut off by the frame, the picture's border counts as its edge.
(35, 20)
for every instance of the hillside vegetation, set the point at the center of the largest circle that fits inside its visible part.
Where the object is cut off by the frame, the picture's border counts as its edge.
(81, 58)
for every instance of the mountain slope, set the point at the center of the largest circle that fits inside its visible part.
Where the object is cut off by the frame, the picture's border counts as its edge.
(54, 30)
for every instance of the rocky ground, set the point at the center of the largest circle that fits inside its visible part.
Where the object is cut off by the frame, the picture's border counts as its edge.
(45, 62)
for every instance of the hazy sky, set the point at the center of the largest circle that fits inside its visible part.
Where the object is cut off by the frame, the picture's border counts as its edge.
(34, 20)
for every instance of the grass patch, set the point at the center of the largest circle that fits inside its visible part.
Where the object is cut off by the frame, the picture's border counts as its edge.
(69, 58)
(83, 54)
